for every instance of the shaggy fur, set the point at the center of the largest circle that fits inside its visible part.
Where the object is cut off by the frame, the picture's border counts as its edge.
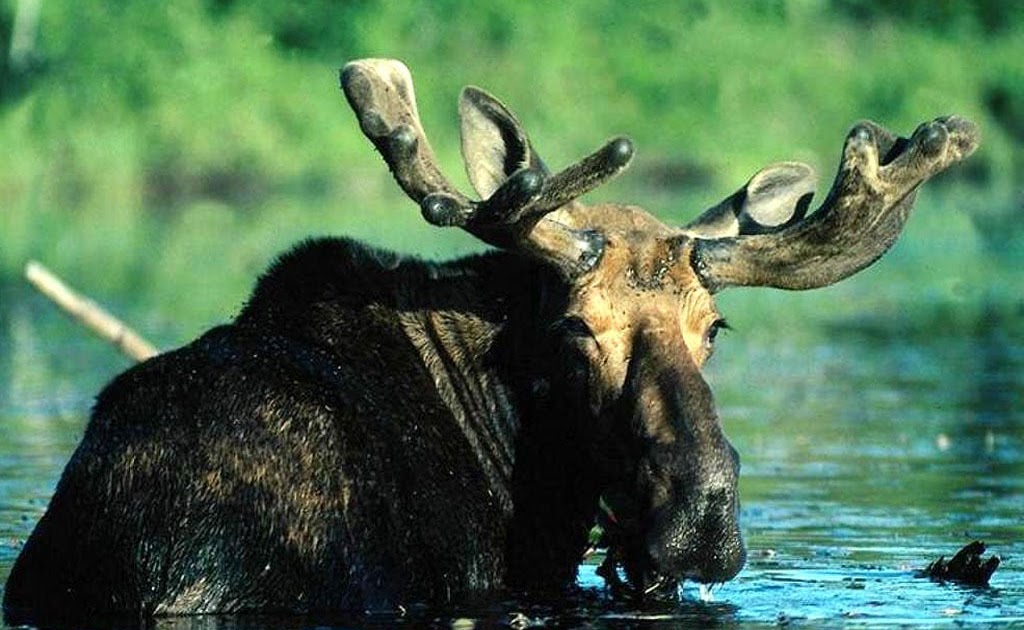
(306, 457)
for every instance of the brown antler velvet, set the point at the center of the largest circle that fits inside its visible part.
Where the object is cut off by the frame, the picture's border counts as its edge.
(519, 193)
(859, 220)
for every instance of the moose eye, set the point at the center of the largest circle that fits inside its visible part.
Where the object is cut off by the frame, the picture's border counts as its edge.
(717, 326)
(573, 326)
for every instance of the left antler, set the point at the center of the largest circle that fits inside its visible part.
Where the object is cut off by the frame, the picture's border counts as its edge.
(859, 221)
(517, 189)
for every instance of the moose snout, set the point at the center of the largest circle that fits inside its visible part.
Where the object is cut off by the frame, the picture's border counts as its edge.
(702, 543)
(688, 472)
(696, 534)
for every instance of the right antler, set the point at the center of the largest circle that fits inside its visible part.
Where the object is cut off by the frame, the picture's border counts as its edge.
(860, 219)
(518, 190)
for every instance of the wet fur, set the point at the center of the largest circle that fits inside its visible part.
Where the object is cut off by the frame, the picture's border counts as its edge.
(306, 457)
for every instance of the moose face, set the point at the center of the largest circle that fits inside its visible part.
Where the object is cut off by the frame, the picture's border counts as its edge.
(642, 325)
(640, 321)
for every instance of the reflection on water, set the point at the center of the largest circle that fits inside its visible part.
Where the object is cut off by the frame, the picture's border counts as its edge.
(869, 448)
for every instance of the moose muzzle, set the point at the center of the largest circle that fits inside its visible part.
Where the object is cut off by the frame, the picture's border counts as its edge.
(686, 476)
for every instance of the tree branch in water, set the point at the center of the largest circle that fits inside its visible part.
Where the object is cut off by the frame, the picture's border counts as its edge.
(89, 314)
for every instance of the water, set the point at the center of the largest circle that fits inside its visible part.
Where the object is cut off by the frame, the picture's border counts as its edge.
(871, 445)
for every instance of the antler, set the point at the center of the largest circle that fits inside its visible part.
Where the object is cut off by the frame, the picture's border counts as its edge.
(860, 219)
(517, 188)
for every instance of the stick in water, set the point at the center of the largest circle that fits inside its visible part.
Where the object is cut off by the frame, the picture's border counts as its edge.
(88, 313)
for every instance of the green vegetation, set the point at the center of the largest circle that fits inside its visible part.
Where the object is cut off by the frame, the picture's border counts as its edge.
(159, 155)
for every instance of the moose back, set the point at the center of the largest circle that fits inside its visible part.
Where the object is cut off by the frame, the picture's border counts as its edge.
(374, 430)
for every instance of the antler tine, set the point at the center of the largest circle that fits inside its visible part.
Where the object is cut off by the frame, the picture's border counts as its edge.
(858, 222)
(380, 92)
(584, 176)
(570, 250)
(530, 194)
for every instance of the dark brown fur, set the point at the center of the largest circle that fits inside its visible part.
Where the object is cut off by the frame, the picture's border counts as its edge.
(315, 467)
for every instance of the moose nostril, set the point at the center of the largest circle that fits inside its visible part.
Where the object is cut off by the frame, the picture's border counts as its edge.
(712, 556)
(722, 553)
(728, 565)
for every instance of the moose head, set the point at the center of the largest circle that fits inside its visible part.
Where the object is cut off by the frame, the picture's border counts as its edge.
(637, 318)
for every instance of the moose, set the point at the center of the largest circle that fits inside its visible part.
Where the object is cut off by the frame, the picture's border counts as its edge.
(374, 430)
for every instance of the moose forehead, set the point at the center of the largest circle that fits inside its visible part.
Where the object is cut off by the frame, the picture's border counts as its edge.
(643, 277)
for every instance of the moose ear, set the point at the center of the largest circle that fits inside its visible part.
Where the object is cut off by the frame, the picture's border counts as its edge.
(494, 144)
(776, 196)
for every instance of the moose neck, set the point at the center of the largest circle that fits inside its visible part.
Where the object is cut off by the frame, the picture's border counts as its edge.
(453, 329)
(483, 339)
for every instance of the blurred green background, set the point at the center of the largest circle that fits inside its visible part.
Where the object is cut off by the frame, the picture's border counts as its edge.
(159, 155)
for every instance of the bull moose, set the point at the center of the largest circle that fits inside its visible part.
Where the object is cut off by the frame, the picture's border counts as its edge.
(374, 430)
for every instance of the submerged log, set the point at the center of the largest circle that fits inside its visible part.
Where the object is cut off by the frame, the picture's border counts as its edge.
(89, 314)
(965, 567)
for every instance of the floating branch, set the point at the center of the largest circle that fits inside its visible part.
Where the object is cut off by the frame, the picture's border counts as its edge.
(89, 314)
(965, 567)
